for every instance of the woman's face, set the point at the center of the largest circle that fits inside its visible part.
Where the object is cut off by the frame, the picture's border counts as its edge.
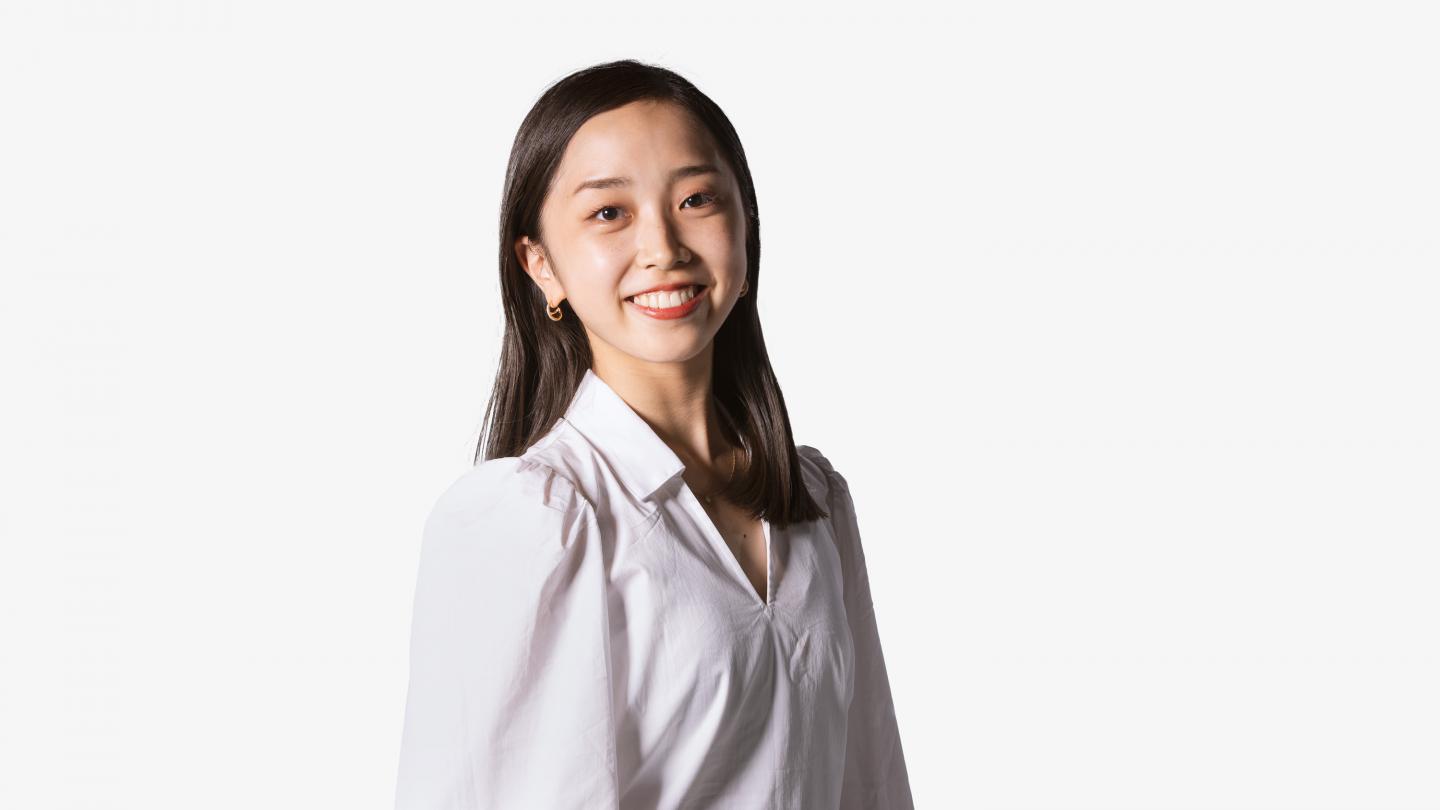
(667, 212)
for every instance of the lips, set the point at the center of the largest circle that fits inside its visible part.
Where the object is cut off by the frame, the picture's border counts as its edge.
(678, 311)
(679, 285)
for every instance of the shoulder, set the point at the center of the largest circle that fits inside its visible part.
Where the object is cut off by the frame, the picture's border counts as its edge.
(519, 482)
(514, 499)
(831, 488)
(820, 474)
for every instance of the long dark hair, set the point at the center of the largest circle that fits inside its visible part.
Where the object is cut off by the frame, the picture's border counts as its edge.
(542, 361)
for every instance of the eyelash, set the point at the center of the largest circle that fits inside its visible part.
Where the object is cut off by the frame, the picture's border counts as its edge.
(711, 198)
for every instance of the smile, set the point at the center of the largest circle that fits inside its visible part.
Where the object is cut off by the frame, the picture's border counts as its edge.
(672, 304)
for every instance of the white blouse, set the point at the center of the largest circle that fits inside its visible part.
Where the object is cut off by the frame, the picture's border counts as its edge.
(583, 637)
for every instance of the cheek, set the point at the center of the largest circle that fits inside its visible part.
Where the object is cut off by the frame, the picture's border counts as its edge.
(593, 276)
(722, 242)
(730, 238)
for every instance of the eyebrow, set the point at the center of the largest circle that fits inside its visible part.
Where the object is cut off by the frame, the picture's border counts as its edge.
(615, 182)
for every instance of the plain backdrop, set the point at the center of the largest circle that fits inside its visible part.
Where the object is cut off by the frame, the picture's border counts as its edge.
(1130, 337)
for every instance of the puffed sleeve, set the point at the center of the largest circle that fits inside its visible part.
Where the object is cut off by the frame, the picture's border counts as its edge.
(875, 774)
(509, 702)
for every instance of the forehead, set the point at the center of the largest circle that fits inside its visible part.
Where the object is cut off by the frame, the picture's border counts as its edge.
(643, 140)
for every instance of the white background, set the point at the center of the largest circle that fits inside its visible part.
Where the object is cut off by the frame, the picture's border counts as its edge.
(1131, 362)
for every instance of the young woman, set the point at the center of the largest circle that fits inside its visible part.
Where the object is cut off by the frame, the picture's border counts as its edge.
(645, 595)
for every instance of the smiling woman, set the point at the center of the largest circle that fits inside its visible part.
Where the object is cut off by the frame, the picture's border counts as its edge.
(645, 595)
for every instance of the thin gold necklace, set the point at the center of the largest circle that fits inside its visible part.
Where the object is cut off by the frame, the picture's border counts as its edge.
(710, 496)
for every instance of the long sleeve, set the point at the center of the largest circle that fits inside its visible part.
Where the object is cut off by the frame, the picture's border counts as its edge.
(509, 700)
(875, 774)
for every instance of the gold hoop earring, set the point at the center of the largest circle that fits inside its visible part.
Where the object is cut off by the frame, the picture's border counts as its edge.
(554, 312)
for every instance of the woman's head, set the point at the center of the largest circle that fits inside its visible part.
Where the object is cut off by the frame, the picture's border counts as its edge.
(678, 205)
(642, 198)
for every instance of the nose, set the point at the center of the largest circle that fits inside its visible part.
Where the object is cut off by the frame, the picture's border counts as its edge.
(658, 245)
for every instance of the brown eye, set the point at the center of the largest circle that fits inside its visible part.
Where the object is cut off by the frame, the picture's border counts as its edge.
(709, 197)
(603, 209)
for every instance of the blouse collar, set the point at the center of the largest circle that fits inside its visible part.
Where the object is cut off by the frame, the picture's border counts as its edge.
(641, 459)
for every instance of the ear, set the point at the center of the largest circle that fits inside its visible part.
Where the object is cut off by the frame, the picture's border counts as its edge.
(536, 264)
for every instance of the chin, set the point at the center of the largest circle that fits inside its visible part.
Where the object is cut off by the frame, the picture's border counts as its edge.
(674, 352)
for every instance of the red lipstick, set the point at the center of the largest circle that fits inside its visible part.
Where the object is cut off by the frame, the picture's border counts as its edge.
(670, 313)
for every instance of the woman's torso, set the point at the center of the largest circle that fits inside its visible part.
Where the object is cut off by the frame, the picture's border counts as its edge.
(719, 693)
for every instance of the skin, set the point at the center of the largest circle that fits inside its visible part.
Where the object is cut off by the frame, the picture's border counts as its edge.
(602, 245)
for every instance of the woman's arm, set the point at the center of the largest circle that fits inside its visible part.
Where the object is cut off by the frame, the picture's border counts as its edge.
(875, 773)
(509, 702)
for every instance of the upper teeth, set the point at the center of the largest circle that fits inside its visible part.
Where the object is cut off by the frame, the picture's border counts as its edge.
(665, 300)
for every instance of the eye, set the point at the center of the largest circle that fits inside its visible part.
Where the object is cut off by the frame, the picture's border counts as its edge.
(709, 197)
(603, 208)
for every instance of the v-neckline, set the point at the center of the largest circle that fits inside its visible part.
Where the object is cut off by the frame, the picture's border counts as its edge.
(717, 540)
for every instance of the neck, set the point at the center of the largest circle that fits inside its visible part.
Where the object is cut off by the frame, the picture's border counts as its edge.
(676, 400)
